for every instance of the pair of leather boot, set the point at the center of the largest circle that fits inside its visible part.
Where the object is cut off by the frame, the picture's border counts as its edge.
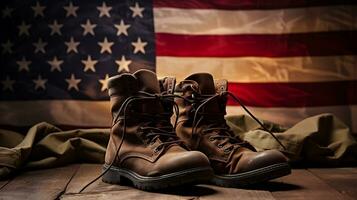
(166, 135)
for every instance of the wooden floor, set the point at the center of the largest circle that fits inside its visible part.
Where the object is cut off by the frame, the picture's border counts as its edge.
(65, 182)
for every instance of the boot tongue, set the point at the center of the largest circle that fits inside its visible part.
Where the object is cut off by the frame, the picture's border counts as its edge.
(147, 81)
(205, 82)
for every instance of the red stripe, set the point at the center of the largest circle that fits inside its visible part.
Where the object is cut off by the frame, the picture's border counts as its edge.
(295, 94)
(273, 45)
(246, 4)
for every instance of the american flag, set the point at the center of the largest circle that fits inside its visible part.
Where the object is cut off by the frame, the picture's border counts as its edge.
(286, 60)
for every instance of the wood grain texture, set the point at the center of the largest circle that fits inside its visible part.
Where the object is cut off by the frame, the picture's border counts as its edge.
(344, 180)
(234, 193)
(40, 184)
(302, 184)
(3, 183)
(84, 174)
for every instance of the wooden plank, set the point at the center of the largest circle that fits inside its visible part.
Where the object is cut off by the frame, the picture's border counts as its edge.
(343, 180)
(302, 184)
(3, 183)
(234, 193)
(100, 190)
(39, 184)
(85, 173)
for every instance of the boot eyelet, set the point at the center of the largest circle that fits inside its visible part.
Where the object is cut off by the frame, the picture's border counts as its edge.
(157, 149)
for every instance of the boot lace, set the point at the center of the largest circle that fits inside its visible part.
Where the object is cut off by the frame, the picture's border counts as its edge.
(224, 133)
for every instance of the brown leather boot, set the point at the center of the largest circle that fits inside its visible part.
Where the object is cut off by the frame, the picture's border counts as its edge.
(143, 147)
(201, 125)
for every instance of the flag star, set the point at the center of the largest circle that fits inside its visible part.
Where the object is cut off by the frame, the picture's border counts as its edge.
(122, 28)
(104, 83)
(72, 45)
(23, 64)
(89, 64)
(73, 82)
(104, 10)
(7, 12)
(8, 84)
(139, 46)
(38, 9)
(6, 47)
(123, 64)
(55, 64)
(88, 27)
(55, 28)
(40, 46)
(40, 83)
(71, 10)
(24, 28)
(105, 46)
(137, 10)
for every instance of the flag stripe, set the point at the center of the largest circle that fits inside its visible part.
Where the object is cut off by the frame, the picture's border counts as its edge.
(223, 22)
(290, 116)
(246, 4)
(295, 94)
(62, 112)
(307, 44)
(80, 113)
(260, 69)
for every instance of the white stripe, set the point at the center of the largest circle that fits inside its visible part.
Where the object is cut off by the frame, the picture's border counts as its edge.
(277, 21)
(63, 112)
(97, 113)
(290, 116)
(260, 69)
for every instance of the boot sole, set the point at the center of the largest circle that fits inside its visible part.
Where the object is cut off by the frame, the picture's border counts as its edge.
(252, 177)
(121, 176)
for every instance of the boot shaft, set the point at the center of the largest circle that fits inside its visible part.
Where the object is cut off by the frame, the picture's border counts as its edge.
(197, 88)
(127, 94)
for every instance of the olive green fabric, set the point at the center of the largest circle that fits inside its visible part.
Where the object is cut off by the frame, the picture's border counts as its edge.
(319, 139)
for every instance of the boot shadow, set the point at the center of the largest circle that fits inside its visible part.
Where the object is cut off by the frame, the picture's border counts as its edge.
(189, 190)
(273, 186)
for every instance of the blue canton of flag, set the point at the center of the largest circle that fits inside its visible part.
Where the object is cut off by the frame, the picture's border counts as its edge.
(67, 50)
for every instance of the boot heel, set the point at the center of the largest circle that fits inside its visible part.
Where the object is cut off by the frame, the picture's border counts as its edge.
(112, 176)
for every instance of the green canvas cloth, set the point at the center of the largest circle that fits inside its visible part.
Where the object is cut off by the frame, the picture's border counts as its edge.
(319, 139)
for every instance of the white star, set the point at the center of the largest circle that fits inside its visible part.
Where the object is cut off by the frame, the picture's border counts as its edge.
(72, 45)
(89, 64)
(73, 82)
(106, 46)
(40, 83)
(71, 10)
(122, 28)
(40, 46)
(123, 64)
(23, 64)
(88, 28)
(6, 47)
(55, 28)
(104, 83)
(8, 84)
(7, 12)
(137, 10)
(55, 64)
(139, 46)
(104, 10)
(24, 29)
(38, 9)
